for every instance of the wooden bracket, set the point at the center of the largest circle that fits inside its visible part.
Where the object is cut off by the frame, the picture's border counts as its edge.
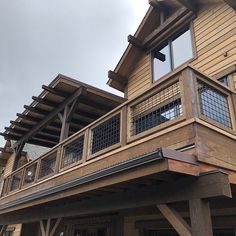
(175, 219)
(18, 150)
(48, 229)
(66, 117)
(46, 121)
(159, 4)
(189, 4)
(3, 230)
(135, 42)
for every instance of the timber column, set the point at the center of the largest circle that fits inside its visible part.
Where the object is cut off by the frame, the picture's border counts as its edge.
(200, 216)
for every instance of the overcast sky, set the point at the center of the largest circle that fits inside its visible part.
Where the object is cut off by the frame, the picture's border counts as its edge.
(42, 38)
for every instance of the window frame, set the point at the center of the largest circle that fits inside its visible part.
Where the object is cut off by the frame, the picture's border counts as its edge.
(168, 41)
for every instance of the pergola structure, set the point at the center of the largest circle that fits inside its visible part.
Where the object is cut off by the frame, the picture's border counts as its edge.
(64, 107)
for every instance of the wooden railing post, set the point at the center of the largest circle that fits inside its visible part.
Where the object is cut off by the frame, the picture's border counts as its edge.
(124, 121)
(189, 94)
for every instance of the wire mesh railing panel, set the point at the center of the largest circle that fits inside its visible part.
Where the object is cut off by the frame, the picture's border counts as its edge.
(30, 173)
(162, 107)
(16, 181)
(214, 104)
(105, 134)
(48, 165)
(73, 152)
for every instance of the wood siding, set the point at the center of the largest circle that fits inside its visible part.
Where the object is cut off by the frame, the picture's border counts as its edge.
(140, 77)
(215, 38)
(9, 165)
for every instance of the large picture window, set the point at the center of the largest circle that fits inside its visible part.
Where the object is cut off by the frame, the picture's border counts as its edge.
(172, 54)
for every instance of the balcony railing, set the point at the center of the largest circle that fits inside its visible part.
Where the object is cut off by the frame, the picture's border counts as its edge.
(183, 95)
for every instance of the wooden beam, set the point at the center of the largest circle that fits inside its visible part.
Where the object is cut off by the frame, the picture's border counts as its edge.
(55, 91)
(231, 3)
(45, 102)
(159, 4)
(114, 76)
(51, 104)
(135, 42)
(3, 230)
(23, 131)
(43, 123)
(42, 229)
(48, 227)
(58, 221)
(190, 4)
(211, 185)
(74, 105)
(200, 217)
(175, 219)
(178, 18)
(36, 110)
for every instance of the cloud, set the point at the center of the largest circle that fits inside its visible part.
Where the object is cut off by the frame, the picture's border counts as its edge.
(41, 38)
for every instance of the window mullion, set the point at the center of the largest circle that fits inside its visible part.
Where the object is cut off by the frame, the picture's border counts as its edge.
(171, 55)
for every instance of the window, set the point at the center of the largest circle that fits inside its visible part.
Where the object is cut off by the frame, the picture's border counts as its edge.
(172, 54)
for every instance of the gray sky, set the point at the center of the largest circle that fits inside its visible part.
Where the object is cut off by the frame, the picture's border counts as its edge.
(42, 38)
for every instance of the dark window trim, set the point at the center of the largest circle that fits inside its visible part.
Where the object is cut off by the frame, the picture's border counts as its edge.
(188, 26)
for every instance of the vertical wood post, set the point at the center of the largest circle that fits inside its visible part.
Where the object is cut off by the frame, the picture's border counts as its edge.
(124, 126)
(65, 125)
(118, 226)
(200, 216)
(189, 93)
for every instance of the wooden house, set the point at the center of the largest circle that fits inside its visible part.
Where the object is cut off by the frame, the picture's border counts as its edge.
(161, 162)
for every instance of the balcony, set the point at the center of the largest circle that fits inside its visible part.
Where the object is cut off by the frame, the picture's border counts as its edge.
(186, 111)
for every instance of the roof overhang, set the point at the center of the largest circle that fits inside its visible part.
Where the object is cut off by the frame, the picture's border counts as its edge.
(153, 31)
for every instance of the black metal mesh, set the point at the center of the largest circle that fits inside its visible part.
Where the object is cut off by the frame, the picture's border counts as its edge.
(30, 173)
(16, 181)
(106, 134)
(73, 152)
(48, 165)
(157, 109)
(214, 104)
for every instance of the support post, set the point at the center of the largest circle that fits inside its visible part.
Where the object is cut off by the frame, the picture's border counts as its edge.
(18, 149)
(200, 217)
(188, 86)
(175, 219)
(65, 125)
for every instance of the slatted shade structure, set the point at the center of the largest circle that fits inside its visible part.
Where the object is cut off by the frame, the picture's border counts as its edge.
(64, 107)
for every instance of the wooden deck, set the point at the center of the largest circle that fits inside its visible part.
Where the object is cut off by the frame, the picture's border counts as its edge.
(124, 134)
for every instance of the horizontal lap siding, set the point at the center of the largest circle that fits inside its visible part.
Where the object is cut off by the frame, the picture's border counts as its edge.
(140, 78)
(215, 38)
